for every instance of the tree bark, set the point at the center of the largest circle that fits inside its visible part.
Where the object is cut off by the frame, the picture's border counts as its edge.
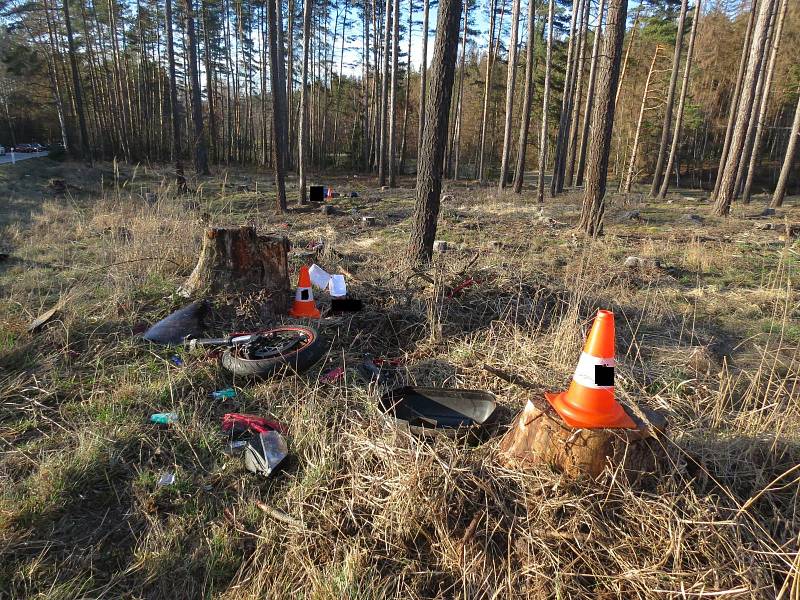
(634, 28)
(511, 79)
(545, 100)
(525, 118)
(200, 152)
(429, 173)
(460, 103)
(670, 102)
(393, 95)
(382, 149)
(676, 132)
(86, 151)
(302, 156)
(423, 74)
(173, 99)
(590, 93)
(237, 259)
(626, 184)
(783, 180)
(727, 181)
(734, 107)
(569, 169)
(487, 87)
(278, 123)
(603, 120)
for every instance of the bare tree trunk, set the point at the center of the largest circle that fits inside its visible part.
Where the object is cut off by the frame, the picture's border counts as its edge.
(487, 86)
(429, 174)
(393, 95)
(173, 99)
(762, 114)
(291, 125)
(525, 118)
(670, 103)
(278, 124)
(566, 98)
(603, 120)
(728, 178)
(626, 185)
(511, 79)
(569, 168)
(382, 150)
(545, 100)
(734, 107)
(200, 152)
(590, 93)
(461, 75)
(86, 151)
(302, 156)
(676, 133)
(423, 74)
(401, 166)
(634, 28)
(783, 180)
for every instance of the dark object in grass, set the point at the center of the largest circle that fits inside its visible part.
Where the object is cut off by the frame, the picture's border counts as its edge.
(265, 352)
(340, 305)
(264, 452)
(316, 193)
(183, 323)
(439, 407)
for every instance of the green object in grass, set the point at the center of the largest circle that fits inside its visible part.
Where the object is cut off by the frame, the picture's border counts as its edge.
(164, 418)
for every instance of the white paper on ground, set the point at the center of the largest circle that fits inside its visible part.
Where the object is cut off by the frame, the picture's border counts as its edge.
(319, 277)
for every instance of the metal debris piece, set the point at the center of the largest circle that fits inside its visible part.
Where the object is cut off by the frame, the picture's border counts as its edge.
(265, 452)
(166, 479)
(175, 328)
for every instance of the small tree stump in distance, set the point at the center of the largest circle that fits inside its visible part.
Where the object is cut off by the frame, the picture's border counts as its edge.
(238, 259)
(539, 436)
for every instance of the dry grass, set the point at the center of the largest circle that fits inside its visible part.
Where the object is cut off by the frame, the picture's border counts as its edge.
(710, 338)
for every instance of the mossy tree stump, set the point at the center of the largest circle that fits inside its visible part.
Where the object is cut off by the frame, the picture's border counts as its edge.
(539, 436)
(239, 260)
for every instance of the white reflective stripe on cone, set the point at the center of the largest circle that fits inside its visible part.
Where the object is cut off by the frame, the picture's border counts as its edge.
(584, 372)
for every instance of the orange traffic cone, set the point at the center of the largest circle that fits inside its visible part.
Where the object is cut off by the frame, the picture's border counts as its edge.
(330, 192)
(589, 402)
(304, 305)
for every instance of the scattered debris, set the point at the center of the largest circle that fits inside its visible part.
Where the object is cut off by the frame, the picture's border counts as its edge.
(166, 479)
(176, 360)
(238, 424)
(319, 276)
(368, 221)
(59, 186)
(440, 246)
(164, 418)
(326, 209)
(768, 212)
(225, 394)
(279, 515)
(693, 218)
(332, 376)
(338, 287)
(235, 447)
(44, 318)
(265, 452)
(174, 329)
(764, 226)
(633, 262)
(439, 407)
(631, 215)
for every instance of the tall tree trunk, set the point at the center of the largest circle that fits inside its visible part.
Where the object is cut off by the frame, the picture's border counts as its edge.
(291, 126)
(429, 174)
(676, 132)
(572, 145)
(487, 87)
(209, 69)
(603, 120)
(590, 93)
(525, 117)
(302, 155)
(511, 79)
(626, 184)
(728, 178)
(423, 74)
(545, 100)
(634, 28)
(173, 99)
(566, 98)
(783, 180)
(383, 146)
(86, 151)
(460, 106)
(762, 114)
(737, 91)
(670, 103)
(408, 88)
(200, 152)
(278, 123)
(393, 95)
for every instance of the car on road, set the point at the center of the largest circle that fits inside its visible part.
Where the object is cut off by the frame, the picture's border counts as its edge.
(38, 148)
(2, 150)
(24, 148)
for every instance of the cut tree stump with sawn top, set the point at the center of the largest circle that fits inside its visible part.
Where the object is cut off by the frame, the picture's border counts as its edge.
(238, 259)
(540, 436)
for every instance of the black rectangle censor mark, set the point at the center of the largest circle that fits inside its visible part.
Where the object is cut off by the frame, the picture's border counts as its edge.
(603, 375)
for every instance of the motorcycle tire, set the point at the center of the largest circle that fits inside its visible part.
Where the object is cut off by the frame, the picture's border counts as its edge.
(299, 358)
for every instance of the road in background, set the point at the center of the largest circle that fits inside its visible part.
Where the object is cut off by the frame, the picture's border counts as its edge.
(18, 156)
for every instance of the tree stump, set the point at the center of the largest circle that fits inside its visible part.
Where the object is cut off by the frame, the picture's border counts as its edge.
(539, 436)
(239, 260)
